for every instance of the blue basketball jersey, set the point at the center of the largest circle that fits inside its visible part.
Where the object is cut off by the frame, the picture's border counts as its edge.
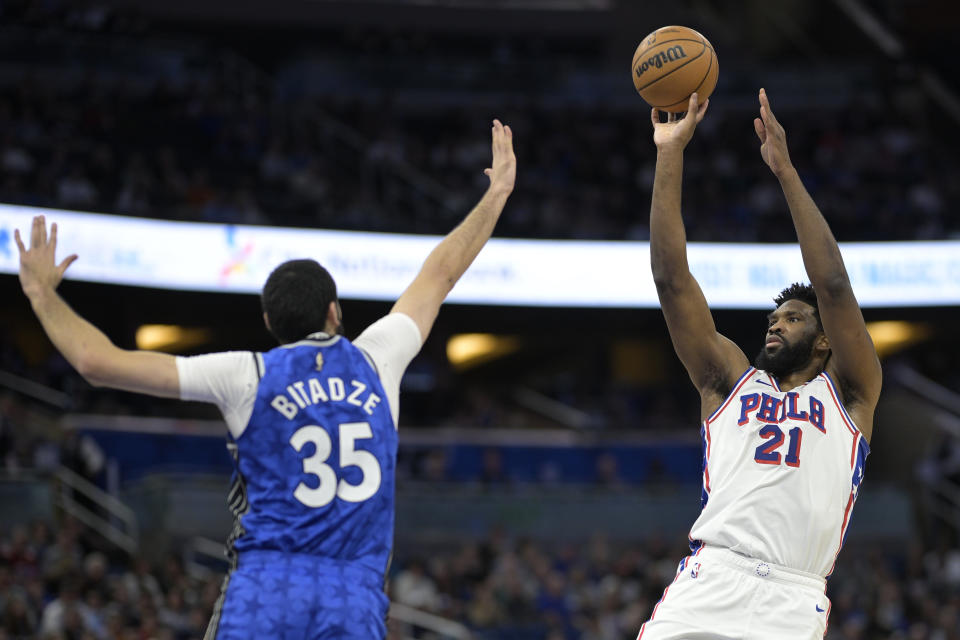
(314, 468)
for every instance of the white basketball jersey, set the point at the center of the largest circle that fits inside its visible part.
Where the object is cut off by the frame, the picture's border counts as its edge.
(781, 472)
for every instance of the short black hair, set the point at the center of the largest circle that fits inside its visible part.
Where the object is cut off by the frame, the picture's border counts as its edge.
(296, 297)
(803, 293)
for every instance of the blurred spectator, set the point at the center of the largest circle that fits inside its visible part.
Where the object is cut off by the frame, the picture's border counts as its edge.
(95, 568)
(141, 585)
(492, 472)
(74, 190)
(62, 558)
(8, 431)
(414, 588)
(608, 471)
(81, 454)
(17, 619)
(18, 553)
(67, 613)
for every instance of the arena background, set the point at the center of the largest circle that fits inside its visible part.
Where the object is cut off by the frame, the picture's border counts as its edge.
(546, 482)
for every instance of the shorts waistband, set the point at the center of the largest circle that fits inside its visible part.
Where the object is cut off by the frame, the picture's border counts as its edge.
(760, 568)
(353, 571)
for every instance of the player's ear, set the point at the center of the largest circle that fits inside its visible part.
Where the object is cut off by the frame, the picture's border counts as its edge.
(266, 322)
(822, 343)
(334, 317)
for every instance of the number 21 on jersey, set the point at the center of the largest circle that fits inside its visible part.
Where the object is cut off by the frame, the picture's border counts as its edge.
(330, 486)
(767, 453)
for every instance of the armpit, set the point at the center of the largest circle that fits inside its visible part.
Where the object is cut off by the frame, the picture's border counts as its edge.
(715, 380)
(849, 395)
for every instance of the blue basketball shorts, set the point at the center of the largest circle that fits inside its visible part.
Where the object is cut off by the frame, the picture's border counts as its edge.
(289, 596)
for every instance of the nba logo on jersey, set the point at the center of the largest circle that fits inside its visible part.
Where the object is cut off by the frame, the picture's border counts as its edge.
(695, 570)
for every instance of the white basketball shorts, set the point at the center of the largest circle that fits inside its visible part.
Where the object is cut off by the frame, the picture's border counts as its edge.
(722, 595)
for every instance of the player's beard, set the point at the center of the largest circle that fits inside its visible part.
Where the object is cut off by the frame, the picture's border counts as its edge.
(788, 358)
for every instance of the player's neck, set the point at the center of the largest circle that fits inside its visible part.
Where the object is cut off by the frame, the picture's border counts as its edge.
(796, 378)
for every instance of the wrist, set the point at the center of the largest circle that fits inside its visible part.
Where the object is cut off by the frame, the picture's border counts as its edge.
(786, 172)
(38, 295)
(497, 190)
(670, 151)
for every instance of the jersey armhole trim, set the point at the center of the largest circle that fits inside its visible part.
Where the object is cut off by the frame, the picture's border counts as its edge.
(851, 425)
(736, 387)
(258, 363)
(366, 356)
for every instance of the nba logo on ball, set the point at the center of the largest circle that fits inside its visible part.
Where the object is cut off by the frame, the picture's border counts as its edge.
(670, 64)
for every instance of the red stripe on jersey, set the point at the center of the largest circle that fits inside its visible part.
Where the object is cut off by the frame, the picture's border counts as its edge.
(657, 606)
(644, 625)
(706, 463)
(827, 626)
(843, 530)
(743, 381)
(706, 431)
(843, 412)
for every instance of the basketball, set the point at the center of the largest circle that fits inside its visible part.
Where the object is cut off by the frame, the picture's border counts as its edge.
(670, 64)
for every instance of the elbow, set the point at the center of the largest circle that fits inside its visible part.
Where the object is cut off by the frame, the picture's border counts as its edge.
(665, 288)
(669, 284)
(91, 369)
(671, 274)
(835, 286)
(441, 273)
(662, 277)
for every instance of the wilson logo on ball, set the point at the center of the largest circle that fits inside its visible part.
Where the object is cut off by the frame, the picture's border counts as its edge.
(670, 55)
(670, 64)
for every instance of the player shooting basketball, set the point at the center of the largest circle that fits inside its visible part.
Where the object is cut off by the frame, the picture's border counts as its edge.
(784, 440)
(311, 426)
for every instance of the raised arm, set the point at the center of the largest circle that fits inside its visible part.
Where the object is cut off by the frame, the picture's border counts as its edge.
(854, 359)
(450, 259)
(713, 361)
(84, 346)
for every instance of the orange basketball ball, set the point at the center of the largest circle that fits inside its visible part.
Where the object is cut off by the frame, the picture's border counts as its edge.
(670, 64)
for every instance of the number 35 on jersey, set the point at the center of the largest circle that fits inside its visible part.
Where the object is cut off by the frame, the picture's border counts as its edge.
(330, 486)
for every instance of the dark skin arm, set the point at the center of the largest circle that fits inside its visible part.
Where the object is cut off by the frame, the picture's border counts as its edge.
(854, 364)
(713, 362)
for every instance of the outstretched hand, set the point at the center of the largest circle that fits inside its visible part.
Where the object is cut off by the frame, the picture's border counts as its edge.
(38, 270)
(503, 173)
(677, 131)
(773, 139)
